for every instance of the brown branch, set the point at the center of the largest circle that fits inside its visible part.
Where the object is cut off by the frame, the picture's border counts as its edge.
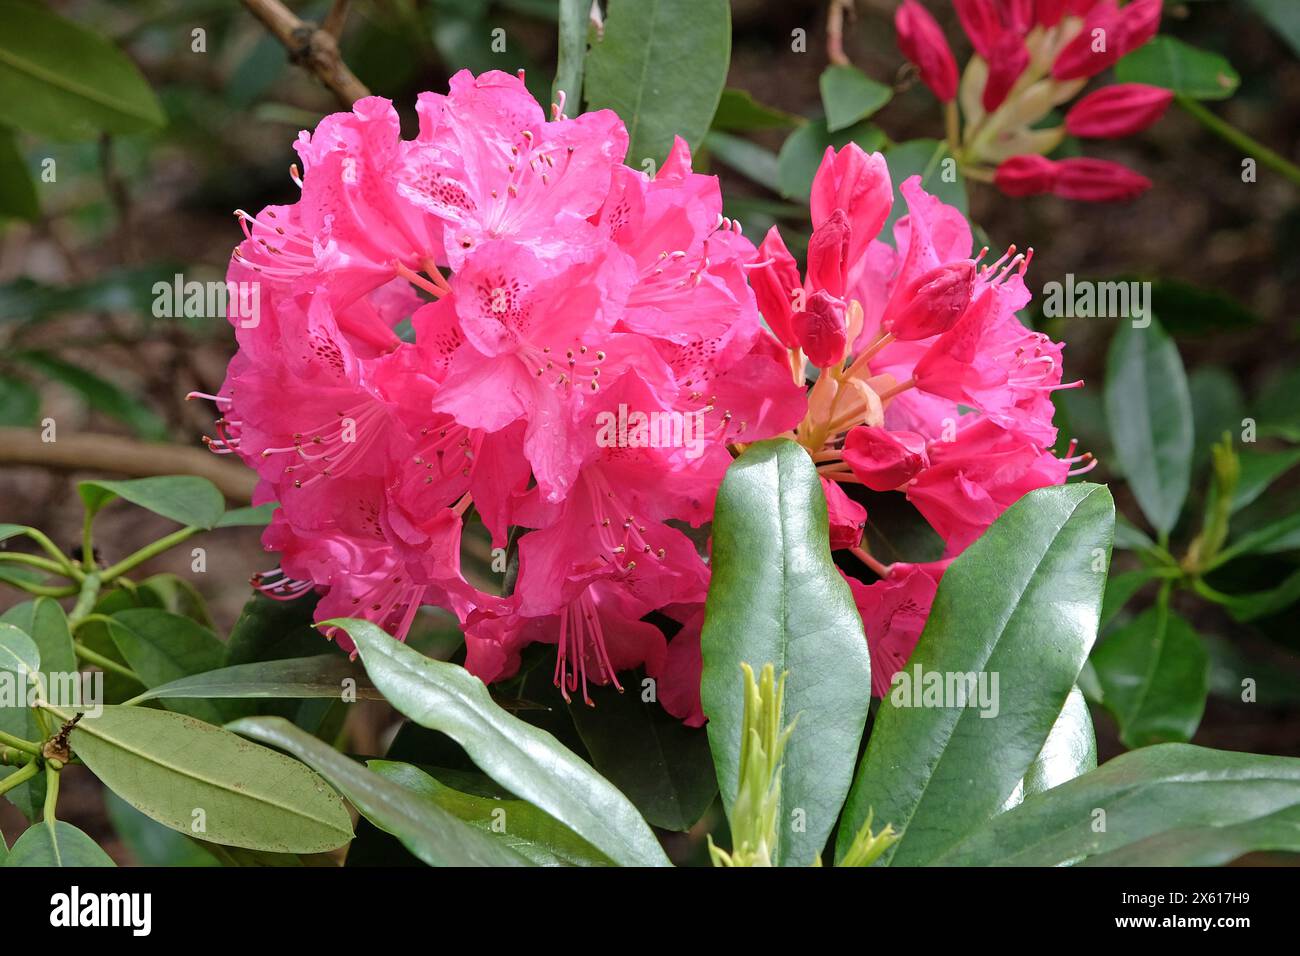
(311, 47)
(124, 456)
(335, 19)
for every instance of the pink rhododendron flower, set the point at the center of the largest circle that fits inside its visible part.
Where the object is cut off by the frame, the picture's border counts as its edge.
(1030, 59)
(498, 322)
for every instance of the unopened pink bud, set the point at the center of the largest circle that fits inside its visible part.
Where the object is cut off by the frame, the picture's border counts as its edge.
(932, 303)
(1097, 46)
(773, 283)
(822, 329)
(1098, 180)
(923, 43)
(828, 253)
(1026, 175)
(884, 460)
(1138, 23)
(1119, 110)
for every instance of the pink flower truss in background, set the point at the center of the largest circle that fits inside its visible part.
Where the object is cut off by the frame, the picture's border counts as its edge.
(1030, 58)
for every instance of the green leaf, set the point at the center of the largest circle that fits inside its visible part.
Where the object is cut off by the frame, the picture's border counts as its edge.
(258, 516)
(162, 647)
(849, 96)
(1150, 415)
(1069, 751)
(802, 152)
(776, 597)
(1154, 674)
(168, 766)
(100, 394)
(186, 499)
(1023, 603)
(17, 191)
(19, 654)
(1129, 537)
(57, 844)
(572, 54)
(150, 843)
(529, 762)
(428, 831)
(298, 678)
(1174, 65)
(661, 66)
(1154, 792)
(1120, 589)
(45, 623)
(20, 658)
(1259, 604)
(66, 82)
(537, 837)
(179, 596)
(748, 159)
(1259, 469)
(663, 766)
(1217, 406)
(739, 112)
(925, 158)
(1280, 535)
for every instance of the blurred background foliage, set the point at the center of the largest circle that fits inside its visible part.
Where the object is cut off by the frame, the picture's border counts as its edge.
(129, 177)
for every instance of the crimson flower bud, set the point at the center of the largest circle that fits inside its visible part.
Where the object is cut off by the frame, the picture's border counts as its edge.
(822, 329)
(982, 22)
(1007, 60)
(882, 459)
(1138, 23)
(1048, 13)
(1098, 180)
(923, 43)
(1097, 46)
(828, 254)
(932, 303)
(1026, 175)
(1119, 110)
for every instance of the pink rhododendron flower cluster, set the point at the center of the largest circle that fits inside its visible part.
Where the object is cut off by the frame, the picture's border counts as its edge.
(1030, 58)
(928, 384)
(583, 349)
(498, 321)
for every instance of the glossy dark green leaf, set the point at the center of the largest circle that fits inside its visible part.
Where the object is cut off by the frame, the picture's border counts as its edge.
(739, 112)
(64, 81)
(1022, 603)
(186, 499)
(1170, 63)
(427, 830)
(802, 152)
(537, 837)
(850, 96)
(1139, 796)
(1150, 415)
(20, 660)
(776, 597)
(663, 766)
(17, 190)
(661, 65)
(99, 393)
(1154, 674)
(60, 844)
(162, 647)
(322, 676)
(529, 762)
(179, 596)
(1266, 603)
(1273, 537)
(1069, 751)
(170, 766)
